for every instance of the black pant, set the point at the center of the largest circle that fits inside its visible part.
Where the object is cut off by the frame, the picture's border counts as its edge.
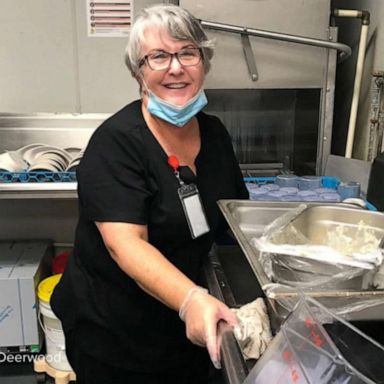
(90, 370)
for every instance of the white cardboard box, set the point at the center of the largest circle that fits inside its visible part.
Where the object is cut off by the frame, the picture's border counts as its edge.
(22, 266)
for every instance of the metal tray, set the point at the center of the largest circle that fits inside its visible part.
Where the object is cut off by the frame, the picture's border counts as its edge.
(316, 221)
(247, 219)
(319, 225)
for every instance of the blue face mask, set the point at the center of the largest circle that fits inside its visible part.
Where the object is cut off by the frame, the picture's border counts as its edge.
(175, 114)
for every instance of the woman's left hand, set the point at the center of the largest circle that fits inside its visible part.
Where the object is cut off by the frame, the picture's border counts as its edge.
(202, 314)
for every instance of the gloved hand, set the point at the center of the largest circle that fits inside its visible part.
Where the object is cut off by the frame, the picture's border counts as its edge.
(201, 313)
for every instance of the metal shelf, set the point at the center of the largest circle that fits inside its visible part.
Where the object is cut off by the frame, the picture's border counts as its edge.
(38, 190)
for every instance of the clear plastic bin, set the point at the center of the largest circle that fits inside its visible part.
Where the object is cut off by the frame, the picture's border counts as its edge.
(317, 347)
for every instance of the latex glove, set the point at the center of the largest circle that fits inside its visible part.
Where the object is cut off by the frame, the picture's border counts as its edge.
(202, 313)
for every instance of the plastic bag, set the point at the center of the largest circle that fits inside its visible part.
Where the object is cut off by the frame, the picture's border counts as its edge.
(289, 257)
(287, 297)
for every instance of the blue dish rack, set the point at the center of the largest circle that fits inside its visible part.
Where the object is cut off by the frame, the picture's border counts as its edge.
(37, 177)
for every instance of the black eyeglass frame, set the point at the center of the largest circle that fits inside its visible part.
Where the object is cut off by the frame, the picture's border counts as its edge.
(172, 55)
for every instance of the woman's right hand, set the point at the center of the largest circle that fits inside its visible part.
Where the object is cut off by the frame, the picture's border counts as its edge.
(202, 313)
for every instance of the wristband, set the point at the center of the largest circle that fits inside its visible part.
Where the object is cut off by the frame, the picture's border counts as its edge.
(184, 305)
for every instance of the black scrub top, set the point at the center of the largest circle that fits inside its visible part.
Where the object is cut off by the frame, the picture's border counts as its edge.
(124, 177)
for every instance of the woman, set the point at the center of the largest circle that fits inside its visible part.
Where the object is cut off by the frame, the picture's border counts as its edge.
(148, 186)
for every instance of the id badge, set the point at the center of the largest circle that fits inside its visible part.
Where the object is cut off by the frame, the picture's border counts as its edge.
(193, 209)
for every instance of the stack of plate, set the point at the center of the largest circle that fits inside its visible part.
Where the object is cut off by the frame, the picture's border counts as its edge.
(41, 157)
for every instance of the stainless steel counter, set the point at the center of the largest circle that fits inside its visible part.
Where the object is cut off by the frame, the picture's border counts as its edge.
(248, 219)
(232, 278)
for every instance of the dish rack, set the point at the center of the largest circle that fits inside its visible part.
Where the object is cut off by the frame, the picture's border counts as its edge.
(327, 181)
(37, 177)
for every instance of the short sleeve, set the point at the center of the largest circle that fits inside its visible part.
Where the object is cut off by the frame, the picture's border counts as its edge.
(112, 176)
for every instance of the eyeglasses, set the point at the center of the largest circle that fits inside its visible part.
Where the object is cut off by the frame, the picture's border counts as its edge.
(161, 60)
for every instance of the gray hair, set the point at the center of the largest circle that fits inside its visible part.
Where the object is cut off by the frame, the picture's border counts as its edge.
(179, 24)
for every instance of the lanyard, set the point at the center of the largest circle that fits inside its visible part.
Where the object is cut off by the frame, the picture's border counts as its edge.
(173, 161)
(191, 202)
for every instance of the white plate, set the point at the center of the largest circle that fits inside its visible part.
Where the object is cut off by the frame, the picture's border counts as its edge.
(74, 164)
(24, 149)
(58, 163)
(73, 151)
(60, 152)
(75, 159)
(31, 153)
(51, 158)
(43, 167)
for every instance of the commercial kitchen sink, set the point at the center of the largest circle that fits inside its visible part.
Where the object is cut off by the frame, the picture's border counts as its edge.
(233, 276)
(248, 219)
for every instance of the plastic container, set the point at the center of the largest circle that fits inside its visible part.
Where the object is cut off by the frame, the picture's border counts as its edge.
(309, 182)
(278, 194)
(322, 190)
(287, 181)
(256, 193)
(268, 197)
(291, 198)
(332, 197)
(315, 346)
(251, 186)
(349, 189)
(271, 187)
(290, 190)
(308, 195)
(54, 335)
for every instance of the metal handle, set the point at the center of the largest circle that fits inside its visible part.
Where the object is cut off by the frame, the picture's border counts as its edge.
(235, 370)
(345, 50)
